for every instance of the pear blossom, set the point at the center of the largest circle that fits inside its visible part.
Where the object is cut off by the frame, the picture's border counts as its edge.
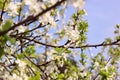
(50, 54)
(16, 77)
(48, 18)
(29, 2)
(34, 6)
(51, 68)
(83, 74)
(21, 28)
(72, 35)
(13, 8)
(21, 64)
(77, 3)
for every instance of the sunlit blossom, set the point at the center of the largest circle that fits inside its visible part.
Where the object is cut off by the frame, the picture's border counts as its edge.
(21, 64)
(77, 3)
(13, 8)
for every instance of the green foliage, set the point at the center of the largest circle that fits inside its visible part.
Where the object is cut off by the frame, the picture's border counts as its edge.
(10, 39)
(83, 59)
(1, 4)
(30, 50)
(81, 12)
(83, 26)
(37, 77)
(61, 76)
(3, 40)
(1, 52)
(7, 25)
(20, 56)
(61, 50)
(6, 38)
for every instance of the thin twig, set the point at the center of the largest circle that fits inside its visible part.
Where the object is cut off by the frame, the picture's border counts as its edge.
(3, 10)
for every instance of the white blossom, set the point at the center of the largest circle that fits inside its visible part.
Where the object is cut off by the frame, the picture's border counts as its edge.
(21, 28)
(77, 3)
(48, 18)
(70, 78)
(34, 6)
(16, 77)
(13, 8)
(72, 35)
(29, 2)
(21, 64)
(50, 54)
(83, 74)
(51, 68)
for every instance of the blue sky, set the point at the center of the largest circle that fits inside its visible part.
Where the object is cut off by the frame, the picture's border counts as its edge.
(102, 17)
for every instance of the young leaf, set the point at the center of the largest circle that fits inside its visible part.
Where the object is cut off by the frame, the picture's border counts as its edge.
(7, 25)
(1, 51)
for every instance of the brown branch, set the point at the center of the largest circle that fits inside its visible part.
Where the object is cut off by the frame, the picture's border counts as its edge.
(2, 10)
(44, 64)
(62, 46)
(32, 18)
(20, 9)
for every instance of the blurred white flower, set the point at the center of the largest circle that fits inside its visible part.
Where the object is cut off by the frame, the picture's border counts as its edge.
(51, 68)
(21, 28)
(96, 64)
(21, 64)
(50, 54)
(34, 6)
(83, 74)
(41, 59)
(70, 78)
(16, 77)
(72, 35)
(48, 18)
(29, 2)
(13, 8)
(77, 3)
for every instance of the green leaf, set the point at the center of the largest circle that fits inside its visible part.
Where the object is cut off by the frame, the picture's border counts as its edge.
(3, 40)
(61, 76)
(30, 50)
(81, 12)
(20, 56)
(63, 33)
(83, 55)
(58, 49)
(1, 51)
(1, 4)
(37, 77)
(12, 40)
(74, 16)
(83, 26)
(7, 25)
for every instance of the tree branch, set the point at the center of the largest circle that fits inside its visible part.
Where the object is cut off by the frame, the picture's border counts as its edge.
(2, 10)
(63, 46)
